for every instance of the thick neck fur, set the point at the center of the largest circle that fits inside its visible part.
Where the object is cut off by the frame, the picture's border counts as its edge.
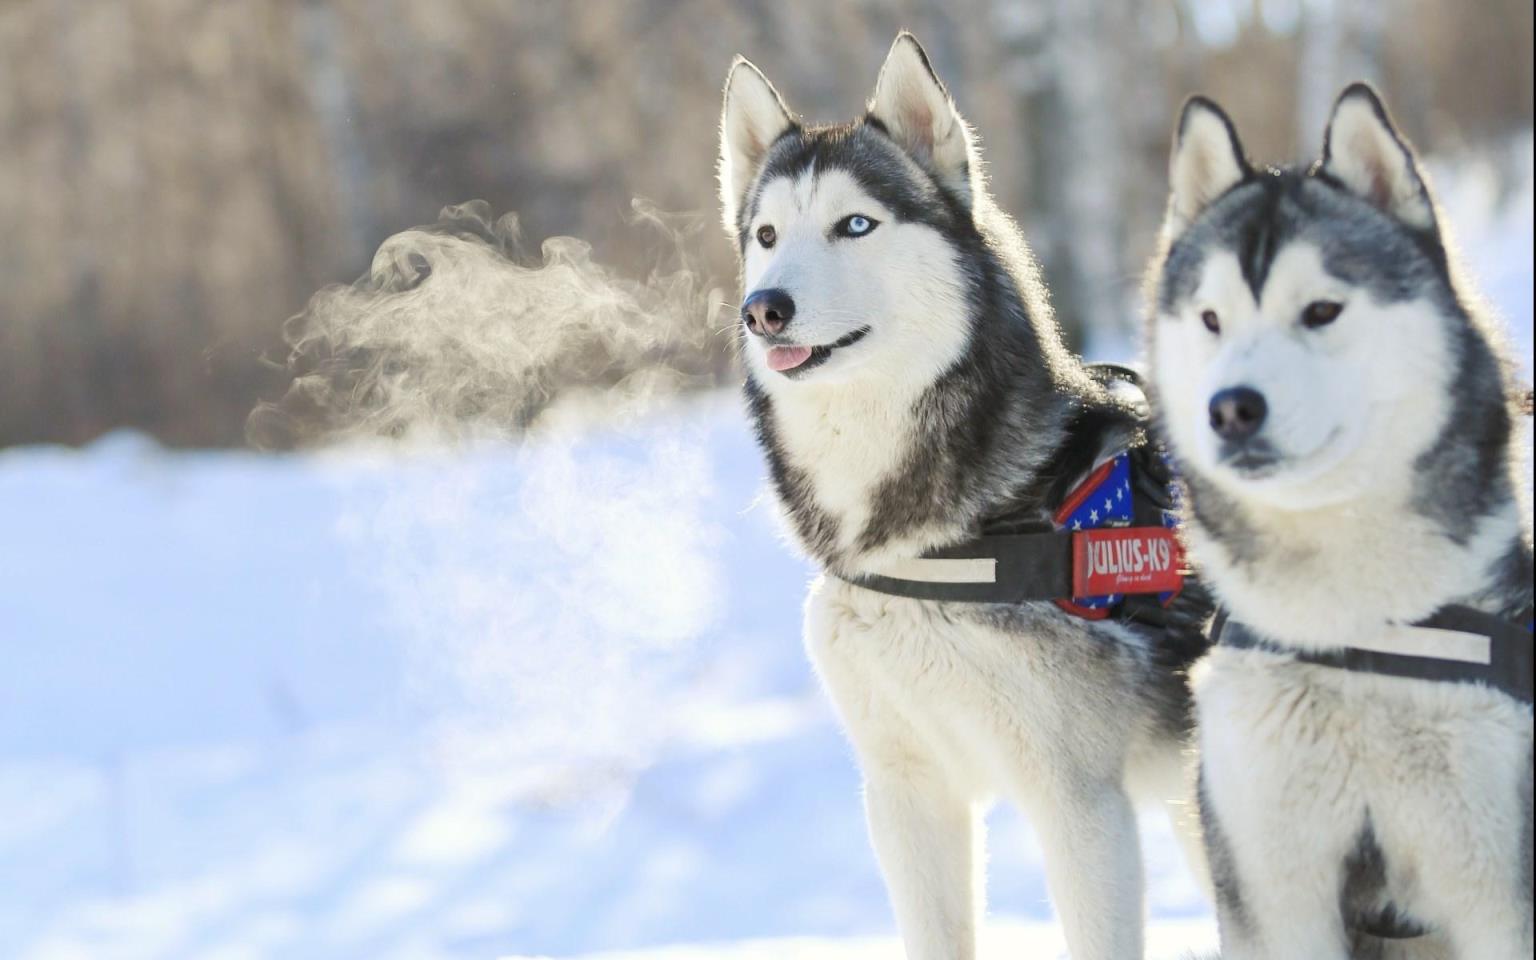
(869, 472)
(1318, 578)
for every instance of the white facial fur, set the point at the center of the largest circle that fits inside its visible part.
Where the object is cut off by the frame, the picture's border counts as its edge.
(1347, 402)
(900, 280)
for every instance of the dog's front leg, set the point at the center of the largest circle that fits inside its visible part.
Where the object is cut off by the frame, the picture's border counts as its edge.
(925, 838)
(1277, 858)
(1092, 867)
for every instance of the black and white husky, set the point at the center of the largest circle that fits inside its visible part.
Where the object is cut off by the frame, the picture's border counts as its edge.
(1340, 412)
(910, 388)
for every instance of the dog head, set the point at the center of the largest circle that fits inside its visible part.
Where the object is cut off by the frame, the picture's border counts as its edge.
(847, 271)
(1304, 328)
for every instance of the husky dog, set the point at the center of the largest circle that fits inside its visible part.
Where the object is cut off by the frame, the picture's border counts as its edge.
(1339, 411)
(909, 386)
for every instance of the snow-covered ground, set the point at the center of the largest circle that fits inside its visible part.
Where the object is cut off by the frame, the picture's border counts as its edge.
(541, 701)
(546, 701)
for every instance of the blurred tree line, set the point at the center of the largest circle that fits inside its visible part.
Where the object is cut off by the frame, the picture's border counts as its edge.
(177, 177)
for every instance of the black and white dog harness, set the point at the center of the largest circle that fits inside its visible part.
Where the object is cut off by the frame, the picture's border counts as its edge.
(1455, 645)
(1090, 566)
(1109, 549)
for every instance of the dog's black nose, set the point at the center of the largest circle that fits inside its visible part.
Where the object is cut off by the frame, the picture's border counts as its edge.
(768, 311)
(1237, 413)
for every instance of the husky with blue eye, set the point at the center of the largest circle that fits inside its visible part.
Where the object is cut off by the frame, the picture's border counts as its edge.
(913, 396)
(1340, 413)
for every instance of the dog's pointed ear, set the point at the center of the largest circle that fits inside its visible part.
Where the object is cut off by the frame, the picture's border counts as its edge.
(751, 119)
(1207, 161)
(1363, 151)
(913, 106)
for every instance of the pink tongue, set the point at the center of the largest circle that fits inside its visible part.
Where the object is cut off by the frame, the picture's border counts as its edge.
(787, 358)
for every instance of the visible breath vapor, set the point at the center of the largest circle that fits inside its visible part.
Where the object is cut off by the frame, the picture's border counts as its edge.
(455, 331)
(550, 593)
(551, 598)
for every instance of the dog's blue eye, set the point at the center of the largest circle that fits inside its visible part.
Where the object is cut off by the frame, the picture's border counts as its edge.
(856, 225)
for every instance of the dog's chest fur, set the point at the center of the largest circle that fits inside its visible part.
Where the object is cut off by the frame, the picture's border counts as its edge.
(1358, 758)
(832, 451)
(1000, 704)
(1322, 579)
(844, 443)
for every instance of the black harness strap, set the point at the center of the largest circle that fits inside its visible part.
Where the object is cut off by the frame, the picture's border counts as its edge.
(1028, 566)
(1509, 668)
(1024, 558)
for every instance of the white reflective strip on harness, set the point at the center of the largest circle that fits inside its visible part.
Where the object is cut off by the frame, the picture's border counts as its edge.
(1433, 642)
(930, 570)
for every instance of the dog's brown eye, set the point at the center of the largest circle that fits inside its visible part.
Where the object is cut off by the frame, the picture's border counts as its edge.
(767, 236)
(1211, 321)
(1320, 313)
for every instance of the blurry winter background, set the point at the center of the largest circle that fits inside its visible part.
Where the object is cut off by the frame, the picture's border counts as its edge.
(448, 618)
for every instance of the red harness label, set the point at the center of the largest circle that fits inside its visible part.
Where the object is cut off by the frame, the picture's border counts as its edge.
(1117, 560)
